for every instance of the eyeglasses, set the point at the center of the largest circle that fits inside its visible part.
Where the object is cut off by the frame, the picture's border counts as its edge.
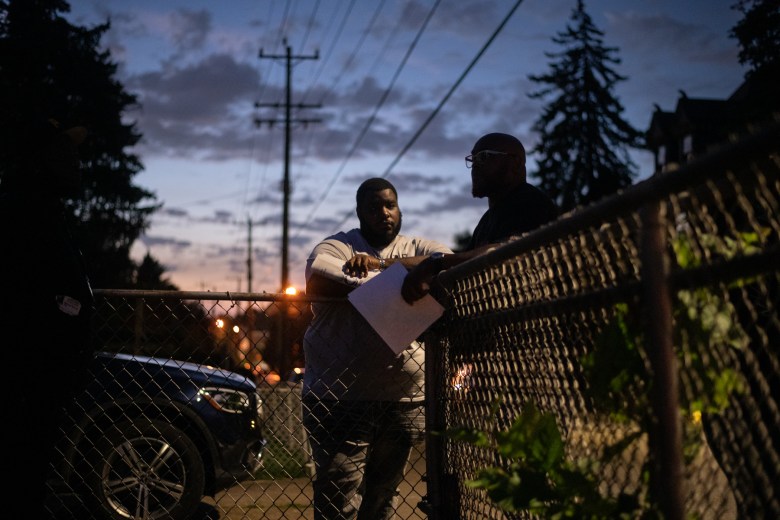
(481, 157)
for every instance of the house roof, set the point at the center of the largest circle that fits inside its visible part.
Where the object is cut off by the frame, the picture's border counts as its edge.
(700, 115)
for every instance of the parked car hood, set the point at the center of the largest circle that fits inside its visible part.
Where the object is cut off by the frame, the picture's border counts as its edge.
(133, 365)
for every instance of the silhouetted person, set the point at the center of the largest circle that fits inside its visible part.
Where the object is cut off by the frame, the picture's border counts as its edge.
(497, 164)
(46, 308)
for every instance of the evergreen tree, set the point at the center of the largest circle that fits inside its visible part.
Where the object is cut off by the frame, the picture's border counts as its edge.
(583, 139)
(150, 276)
(52, 69)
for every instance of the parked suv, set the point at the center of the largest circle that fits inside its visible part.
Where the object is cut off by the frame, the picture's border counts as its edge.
(150, 437)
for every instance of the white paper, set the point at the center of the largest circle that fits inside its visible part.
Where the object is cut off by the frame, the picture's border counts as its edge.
(380, 302)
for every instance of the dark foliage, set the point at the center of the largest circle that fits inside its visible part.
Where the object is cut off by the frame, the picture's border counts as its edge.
(150, 276)
(52, 69)
(758, 33)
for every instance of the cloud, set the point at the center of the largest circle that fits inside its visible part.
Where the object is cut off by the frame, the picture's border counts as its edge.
(200, 109)
(173, 243)
(202, 92)
(173, 212)
(409, 182)
(223, 217)
(266, 196)
(456, 199)
(482, 15)
(190, 29)
(653, 35)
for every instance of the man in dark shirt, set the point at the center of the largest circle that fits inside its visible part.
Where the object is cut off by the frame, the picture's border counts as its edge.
(498, 172)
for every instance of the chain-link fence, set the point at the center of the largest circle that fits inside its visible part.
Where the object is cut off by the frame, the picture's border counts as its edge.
(622, 360)
(194, 411)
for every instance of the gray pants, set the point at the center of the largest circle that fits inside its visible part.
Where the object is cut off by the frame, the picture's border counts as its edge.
(360, 452)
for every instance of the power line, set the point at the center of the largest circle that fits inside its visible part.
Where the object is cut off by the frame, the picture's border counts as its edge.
(371, 119)
(338, 76)
(444, 100)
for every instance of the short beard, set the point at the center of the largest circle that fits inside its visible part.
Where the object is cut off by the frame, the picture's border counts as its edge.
(383, 239)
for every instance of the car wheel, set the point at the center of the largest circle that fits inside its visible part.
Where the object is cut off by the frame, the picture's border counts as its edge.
(147, 470)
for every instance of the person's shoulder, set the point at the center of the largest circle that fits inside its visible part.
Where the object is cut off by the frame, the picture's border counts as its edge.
(339, 244)
(536, 195)
(340, 236)
(425, 245)
(351, 235)
(529, 189)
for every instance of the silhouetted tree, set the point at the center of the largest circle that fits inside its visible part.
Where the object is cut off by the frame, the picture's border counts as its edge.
(52, 69)
(150, 276)
(583, 139)
(758, 34)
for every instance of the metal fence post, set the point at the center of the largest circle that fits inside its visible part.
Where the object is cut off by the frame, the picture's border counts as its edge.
(665, 436)
(434, 444)
(138, 326)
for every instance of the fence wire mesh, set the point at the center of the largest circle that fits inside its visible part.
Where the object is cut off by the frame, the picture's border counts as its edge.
(571, 319)
(170, 366)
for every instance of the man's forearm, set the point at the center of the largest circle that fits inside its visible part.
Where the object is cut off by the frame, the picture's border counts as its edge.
(319, 285)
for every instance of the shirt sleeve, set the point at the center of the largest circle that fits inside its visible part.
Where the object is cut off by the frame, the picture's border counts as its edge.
(327, 260)
(333, 248)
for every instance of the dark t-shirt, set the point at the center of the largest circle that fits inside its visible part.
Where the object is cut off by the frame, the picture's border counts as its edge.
(47, 297)
(523, 209)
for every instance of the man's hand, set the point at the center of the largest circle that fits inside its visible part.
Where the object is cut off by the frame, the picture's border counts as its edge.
(359, 265)
(418, 281)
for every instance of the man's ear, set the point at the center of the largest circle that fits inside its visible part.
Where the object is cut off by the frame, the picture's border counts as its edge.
(520, 167)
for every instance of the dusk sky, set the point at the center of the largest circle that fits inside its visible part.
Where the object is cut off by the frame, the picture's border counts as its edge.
(404, 89)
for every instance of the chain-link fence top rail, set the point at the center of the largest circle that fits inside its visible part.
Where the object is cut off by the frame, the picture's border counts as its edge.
(575, 320)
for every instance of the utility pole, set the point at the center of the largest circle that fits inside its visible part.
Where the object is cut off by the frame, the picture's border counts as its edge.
(249, 255)
(288, 120)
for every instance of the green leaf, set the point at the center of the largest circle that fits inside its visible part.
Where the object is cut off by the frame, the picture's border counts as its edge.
(470, 435)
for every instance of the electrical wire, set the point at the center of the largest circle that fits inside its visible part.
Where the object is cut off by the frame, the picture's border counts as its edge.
(371, 119)
(342, 73)
(441, 104)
